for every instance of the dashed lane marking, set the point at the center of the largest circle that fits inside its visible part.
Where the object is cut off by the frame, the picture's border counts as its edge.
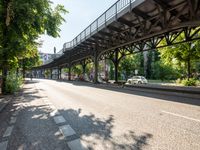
(66, 130)
(52, 107)
(3, 145)
(49, 103)
(59, 119)
(76, 145)
(8, 131)
(15, 113)
(185, 117)
(54, 113)
(13, 120)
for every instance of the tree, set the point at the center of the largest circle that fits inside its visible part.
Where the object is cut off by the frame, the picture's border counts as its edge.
(130, 63)
(164, 72)
(22, 22)
(181, 54)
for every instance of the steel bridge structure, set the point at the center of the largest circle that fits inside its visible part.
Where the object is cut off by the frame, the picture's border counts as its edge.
(128, 27)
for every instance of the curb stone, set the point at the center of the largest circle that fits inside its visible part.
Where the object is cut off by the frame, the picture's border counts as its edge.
(4, 101)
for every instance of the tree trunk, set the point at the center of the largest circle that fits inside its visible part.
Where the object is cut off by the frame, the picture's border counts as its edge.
(23, 69)
(17, 72)
(188, 68)
(4, 73)
(4, 44)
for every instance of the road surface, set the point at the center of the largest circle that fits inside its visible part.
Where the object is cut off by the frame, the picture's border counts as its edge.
(114, 119)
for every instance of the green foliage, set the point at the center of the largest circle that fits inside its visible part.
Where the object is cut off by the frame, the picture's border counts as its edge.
(77, 69)
(22, 23)
(30, 62)
(111, 72)
(178, 81)
(130, 63)
(164, 72)
(181, 56)
(13, 83)
(47, 73)
(189, 82)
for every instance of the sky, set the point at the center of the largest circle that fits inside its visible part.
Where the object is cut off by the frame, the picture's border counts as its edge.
(81, 14)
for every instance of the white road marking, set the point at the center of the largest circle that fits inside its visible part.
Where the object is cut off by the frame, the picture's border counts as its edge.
(54, 113)
(59, 119)
(13, 120)
(46, 100)
(49, 103)
(52, 107)
(8, 131)
(66, 130)
(177, 115)
(76, 145)
(15, 113)
(3, 145)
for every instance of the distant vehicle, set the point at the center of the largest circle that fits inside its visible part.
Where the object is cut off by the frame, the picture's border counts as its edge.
(137, 80)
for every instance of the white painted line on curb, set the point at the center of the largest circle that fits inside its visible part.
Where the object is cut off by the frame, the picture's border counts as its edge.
(66, 130)
(177, 115)
(76, 145)
(59, 119)
(3, 145)
(8, 131)
(13, 120)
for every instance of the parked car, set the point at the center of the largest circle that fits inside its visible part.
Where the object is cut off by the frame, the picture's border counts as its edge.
(137, 80)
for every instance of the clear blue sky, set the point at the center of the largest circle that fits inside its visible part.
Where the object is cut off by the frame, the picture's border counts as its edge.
(81, 14)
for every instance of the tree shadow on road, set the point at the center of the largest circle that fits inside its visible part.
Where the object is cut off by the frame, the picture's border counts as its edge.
(97, 132)
(36, 129)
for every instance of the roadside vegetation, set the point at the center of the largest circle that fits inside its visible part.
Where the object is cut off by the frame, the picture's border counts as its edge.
(21, 24)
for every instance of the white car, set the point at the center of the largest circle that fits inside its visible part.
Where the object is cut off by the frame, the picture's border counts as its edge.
(137, 80)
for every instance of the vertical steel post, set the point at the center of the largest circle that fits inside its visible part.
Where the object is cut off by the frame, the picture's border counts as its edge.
(69, 73)
(116, 63)
(96, 65)
(60, 72)
(51, 71)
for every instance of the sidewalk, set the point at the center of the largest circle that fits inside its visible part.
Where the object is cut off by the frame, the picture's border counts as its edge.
(26, 123)
(4, 101)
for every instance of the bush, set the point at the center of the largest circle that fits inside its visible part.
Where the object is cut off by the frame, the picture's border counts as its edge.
(178, 81)
(190, 82)
(13, 83)
(164, 72)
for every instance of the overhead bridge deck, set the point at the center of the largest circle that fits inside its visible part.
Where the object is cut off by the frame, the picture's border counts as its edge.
(130, 26)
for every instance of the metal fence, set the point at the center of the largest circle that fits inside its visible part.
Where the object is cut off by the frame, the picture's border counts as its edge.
(102, 20)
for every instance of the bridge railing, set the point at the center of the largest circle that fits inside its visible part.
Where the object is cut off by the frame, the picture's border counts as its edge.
(102, 20)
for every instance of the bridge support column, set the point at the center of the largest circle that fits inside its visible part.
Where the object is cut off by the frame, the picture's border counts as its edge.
(59, 73)
(116, 64)
(51, 73)
(84, 69)
(96, 67)
(69, 73)
(43, 74)
(40, 73)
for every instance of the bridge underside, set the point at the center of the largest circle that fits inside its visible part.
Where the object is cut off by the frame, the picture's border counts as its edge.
(140, 27)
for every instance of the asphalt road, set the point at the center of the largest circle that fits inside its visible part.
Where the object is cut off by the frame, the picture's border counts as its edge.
(120, 119)
(53, 115)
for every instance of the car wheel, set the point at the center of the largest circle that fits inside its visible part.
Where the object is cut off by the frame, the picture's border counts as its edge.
(129, 82)
(139, 82)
